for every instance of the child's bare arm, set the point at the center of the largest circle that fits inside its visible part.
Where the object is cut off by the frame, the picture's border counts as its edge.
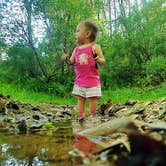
(100, 57)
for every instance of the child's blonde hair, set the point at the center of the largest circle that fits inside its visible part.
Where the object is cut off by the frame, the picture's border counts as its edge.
(92, 28)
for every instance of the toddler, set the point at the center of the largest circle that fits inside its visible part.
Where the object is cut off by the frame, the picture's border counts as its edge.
(86, 57)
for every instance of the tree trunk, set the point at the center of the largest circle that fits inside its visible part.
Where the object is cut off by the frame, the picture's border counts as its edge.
(110, 15)
(28, 7)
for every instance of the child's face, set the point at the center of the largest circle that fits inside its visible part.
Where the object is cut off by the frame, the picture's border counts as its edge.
(81, 34)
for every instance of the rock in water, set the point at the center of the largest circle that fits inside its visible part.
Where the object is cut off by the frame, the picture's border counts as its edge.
(2, 108)
(22, 126)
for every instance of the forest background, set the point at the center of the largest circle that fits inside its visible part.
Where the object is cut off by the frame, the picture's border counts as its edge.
(132, 34)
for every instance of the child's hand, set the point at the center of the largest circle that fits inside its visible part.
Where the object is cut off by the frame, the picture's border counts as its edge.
(64, 57)
(95, 55)
(99, 59)
(96, 58)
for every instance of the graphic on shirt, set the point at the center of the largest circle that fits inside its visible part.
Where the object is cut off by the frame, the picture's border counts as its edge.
(83, 59)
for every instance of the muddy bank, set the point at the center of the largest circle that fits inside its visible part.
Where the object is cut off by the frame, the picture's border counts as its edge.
(132, 133)
(19, 117)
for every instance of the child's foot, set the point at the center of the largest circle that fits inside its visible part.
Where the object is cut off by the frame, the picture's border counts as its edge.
(81, 117)
(91, 114)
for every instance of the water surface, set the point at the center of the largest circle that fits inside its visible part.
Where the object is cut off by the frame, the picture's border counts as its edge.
(49, 147)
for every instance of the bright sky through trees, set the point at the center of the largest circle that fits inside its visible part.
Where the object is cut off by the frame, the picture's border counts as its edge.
(13, 7)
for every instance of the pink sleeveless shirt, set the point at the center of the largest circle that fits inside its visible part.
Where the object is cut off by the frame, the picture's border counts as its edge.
(86, 73)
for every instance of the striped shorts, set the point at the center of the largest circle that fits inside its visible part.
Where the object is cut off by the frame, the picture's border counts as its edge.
(87, 92)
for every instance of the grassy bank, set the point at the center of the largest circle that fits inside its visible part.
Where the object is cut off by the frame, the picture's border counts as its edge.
(141, 94)
(118, 96)
(24, 95)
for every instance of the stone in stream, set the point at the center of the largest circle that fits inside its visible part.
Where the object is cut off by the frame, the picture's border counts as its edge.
(130, 102)
(35, 126)
(35, 109)
(36, 117)
(12, 105)
(2, 108)
(22, 126)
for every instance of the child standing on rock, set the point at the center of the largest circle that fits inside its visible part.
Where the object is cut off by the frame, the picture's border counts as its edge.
(86, 57)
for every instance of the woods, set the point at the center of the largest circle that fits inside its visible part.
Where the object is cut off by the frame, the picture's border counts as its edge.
(39, 122)
(131, 34)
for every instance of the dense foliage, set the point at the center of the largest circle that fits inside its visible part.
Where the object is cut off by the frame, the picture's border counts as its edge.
(132, 37)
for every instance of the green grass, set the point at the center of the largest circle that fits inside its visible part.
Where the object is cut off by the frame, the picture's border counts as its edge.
(141, 94)
(24, 95)
(118, 95)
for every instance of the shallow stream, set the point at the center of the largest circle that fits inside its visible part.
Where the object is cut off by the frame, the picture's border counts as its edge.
(49, 147)
(45, 147)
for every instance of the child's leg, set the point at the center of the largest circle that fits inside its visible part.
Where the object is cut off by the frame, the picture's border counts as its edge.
(93, 105)
(81, 106)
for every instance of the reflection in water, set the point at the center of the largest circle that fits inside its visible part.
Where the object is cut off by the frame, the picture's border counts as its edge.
(41, 149)
(47, 148)
(85, 145)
